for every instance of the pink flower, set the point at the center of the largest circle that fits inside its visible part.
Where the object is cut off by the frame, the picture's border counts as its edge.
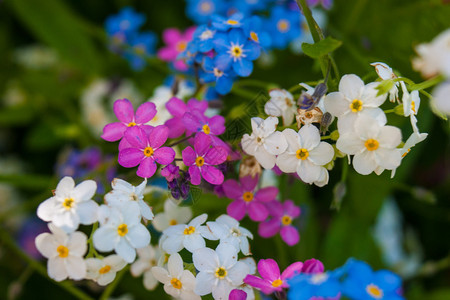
(313, 266)
(246, 200)
(170, 172)
(176, 43)
(178, 108)
(201, 160)
(237, 295)
(271, 280)
(145, 150)
(282, 216)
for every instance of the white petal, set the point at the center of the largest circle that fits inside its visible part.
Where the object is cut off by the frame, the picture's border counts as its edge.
(349, 143)
(173, 244)
(388, 158)
(351, 86)
(205, 283)
(146, 211)
(292, 139)
(161, 222)
(336, 104)
(369, 95)
(219, 230)
(188, 280)
(115, 261)
(275, 143)
(287, 162)
(272, 109)
(249, 144)
(56, 269)
(222, 290)
(76, 267)
(308, 172)
(322, 154)
(87, 211)
(198, 220)
(107, 278)
(64, 187)
(84, 191)
(238, 272)
(170, 290)
(175, 265)
(266, 159)
(138, 236)
(131, 213)
(228, 221)
(125, 250)
(309, 137)
(77, 244)
(105, 238)
(46, 244)
(227, 254)
(389, 137)
(269, 125)
(364, 163)
(245, 247)
(47, 209)
(161, 274)
(205, 259)
(193, 242)
(150, 281)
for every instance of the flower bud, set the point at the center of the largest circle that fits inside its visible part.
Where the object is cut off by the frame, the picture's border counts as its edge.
(312, 266)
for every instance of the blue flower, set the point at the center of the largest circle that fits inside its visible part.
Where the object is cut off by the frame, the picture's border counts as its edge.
(362, 283)
(248, 7)
(235, 50)
(283, 26)
(223, 24)
(254, 30)
(222, 77)
(126, 21)
(203, 38)
(305, 286)
(141, 46)
(200, 11)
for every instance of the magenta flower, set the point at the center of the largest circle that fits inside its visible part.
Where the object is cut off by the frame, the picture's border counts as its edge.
(146, 150)
(313, 266)
(201, 160)
(178, 108)
(237, 295)
(170, 172)
(123, 109)
(246, 200)
(271, 280)
(176, 43)
(282, 216)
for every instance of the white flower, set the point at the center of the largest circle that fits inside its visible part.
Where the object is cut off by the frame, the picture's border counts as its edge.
(227, 229)
(385, 73)
(305, 154)
(354, 99)
(162, 114)
(434, 57)
(219, 271)
(70, 205)
(281, 104)
(178, 283)
(250, 262)
(373, 145)
(413, 140)
(124, 192)
(103, 271)
(190, 236)
(411, 104)
(172, 215)
(64, 253)
(441, 98)
(147, 259)
(122, 232)
(264, 142)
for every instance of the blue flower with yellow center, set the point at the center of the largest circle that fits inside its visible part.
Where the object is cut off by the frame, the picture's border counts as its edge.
(141, 46)
(223, 78)
(225, 23)
(201, 11)
(283, 26)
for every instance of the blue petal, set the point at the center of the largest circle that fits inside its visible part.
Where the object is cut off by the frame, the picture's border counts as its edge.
(243, 67)
(223, 61)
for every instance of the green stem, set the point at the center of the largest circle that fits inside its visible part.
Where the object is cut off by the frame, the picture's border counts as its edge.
(325, 137)
(388, 111)
(344, 170)
(92, 252)
(110, 288)
(426, 84)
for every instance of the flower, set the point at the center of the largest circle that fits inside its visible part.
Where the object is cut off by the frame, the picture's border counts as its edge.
(178, 283)
(306, 155)
(264, 142)
(373, 145)
(315, 286)
(176, 43)
(172, 215)
(146, 150)
(385, 73)
(103, 271)
(237, 295)
(200, 11)
(413, 140)
(246, 200)
(283, 26)
(170, 172)
(440, 97)
(178, 108)
(255, 31)
(228, 230)
(121, 231)
(64, 253)
(281, 104)
(312, 266)
(70, 205)
(411, 104)
(354, 99)
(127, 20)
(201, 160)
(223, 78)
(271, 280)
(223, 24)
(203, 38)
(147, 259)
(141, 46)
(196, 121)
(219, 271)
(282, 216)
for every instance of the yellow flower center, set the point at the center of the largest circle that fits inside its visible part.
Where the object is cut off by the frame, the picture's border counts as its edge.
(181, 46)
(105, 269)
(148, 151)
(247, 196)
(173, 222)
(374, 291)
(131, 124)
(190, 230)
(122, 229)
(286, 220)
(372, 144)
(413, 107)
(63, 251)
(254, 36)
(221, 273)
(68, 203)
(302, 154)
(236, 51)
(206, 129)
(232, 22)
(356, 105)
(176, 283)
(283, 25)
(277, 283)
(199, 161)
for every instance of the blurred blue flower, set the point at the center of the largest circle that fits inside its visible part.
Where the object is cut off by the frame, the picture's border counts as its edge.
(203, 38)
(283, 26)
(255, 31)
(141, 46)
(201, 11)
(126, 21)
(224, 23)
(306, 286)
(223, 78)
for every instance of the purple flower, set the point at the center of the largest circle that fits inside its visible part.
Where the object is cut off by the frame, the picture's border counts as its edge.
(313, 266)
(281, 221)
(246, 200)
(271, 280)
(196, 121)
(201, 160)
(237, 295)
(170, 172)
(146, 150)
(176, 43)
(178, 108)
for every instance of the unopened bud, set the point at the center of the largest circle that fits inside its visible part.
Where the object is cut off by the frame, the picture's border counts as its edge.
(398, 110)
(334, 135)
(312, 266)
(325, 122)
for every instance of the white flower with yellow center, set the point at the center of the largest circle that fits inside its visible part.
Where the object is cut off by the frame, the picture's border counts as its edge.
(64, 253)
(70, 205)
(227, 229)
(374, 145)
(124, 192)
(122, 232)
(190, 236)
(281, 104)
(219, 271)
(305, 154)
(385, 73)
(103, 271)
(264, 143)
(354, 99)
(178, 283)
(173, 214)
(411, 104)
(148, 258)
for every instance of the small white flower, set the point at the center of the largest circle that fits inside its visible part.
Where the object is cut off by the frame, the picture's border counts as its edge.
(281, 104)
(147, 259)
(64, 253)
(124, 192)
(172, 215)
(411, 104)
(122, 232)
(434, 57)
(385, 73)
(441, 98)
(374, 145)
(70, 205)
(162, 114)
(305, 154)
(219, 271)
(354, 99)
(227, 229)
(178, 283)
(190, 236)
(264, 143)
(103, 271)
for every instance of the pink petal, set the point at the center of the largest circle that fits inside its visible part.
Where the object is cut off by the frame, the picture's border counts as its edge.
(180, 65)
(313, 266)
(194, 172)
(293, 269)
(158, 136)
(189, 33)
(257, 211)
(123, 109)
(167, 53)
(216, 155)
(192, 122)
(237, 209)
(232, 189)
(189, 156)
(171, 36)
(275, 208)
(136, 137)
(145, 112)
(290, 235)
(147, 168)
(202, 143)
(114, 131)
(269, 228)
(130, 157)
(259, 283)
(176, 107)
(123, 144)
(266, 194)
(212, 175)
(291, 209)
(176, 127)
(217, 125)
(249, 183)
(164, 155)
(237, 295)
(268, 269)
(194, 104)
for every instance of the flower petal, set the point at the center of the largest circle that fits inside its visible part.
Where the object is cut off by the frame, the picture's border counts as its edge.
(237, 209)
(146, 168)
(145, 112)
(114, 131)
(290, 235)
(123, 109)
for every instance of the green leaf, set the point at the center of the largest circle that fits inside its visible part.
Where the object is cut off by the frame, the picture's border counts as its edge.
(321, 48)
(384, 87)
